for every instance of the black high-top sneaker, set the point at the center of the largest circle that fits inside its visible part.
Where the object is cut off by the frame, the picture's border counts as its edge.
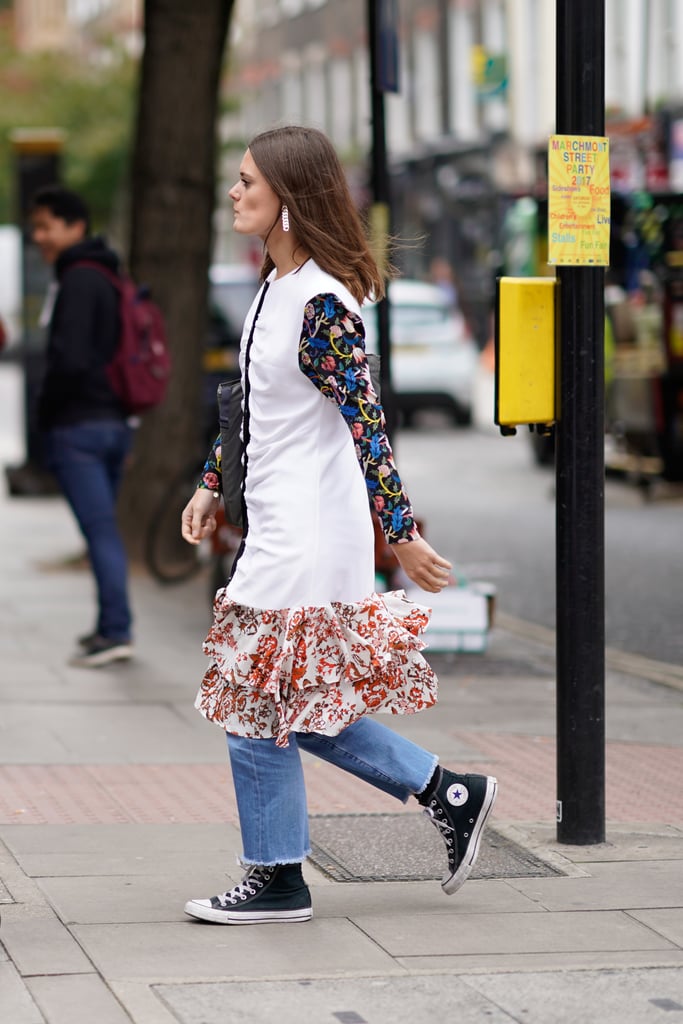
(459, 807)
(264, 896)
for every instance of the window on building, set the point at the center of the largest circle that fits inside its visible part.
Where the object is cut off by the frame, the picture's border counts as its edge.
(315, 94)
(290, 8)
(292, 97)
(426, 85)
(361, 99)
(340, 116)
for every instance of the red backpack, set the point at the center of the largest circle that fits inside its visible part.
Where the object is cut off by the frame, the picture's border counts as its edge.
(141, 366)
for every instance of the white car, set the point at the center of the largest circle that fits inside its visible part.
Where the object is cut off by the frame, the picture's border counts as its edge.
(232, 287)
(433, 357)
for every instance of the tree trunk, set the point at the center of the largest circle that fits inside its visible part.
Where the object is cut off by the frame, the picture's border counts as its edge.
(172, 202)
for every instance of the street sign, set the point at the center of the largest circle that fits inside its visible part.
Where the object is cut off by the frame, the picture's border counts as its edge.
(489, 72)
(578, 200)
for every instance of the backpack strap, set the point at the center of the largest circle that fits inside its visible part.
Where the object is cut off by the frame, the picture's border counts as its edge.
(111, 275)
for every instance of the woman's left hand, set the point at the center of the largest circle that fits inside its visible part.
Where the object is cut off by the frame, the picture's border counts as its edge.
(423, 565)
(198, 518)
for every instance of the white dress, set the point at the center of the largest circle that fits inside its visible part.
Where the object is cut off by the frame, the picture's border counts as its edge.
(299, 641)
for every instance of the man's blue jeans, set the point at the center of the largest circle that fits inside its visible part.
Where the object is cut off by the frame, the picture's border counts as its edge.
(269, 782)
(88, 461)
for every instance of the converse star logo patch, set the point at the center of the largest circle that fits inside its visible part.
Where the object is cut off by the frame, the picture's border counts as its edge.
(457, 795)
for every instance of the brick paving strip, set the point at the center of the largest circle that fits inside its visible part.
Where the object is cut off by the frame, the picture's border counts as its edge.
(639, 788)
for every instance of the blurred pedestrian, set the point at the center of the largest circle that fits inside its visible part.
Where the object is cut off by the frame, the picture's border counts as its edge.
(301, 647)
(442, 275)
(87, 436)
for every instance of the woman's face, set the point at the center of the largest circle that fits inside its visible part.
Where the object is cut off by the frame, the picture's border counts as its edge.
(255, 206)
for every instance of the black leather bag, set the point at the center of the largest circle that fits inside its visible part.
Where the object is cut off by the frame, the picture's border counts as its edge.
(232, 448)
(233, 429)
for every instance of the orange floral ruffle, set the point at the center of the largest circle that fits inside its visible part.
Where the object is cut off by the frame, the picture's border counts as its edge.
(314, 669)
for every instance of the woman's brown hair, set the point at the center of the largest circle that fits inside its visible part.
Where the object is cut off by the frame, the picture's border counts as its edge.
(303, 170)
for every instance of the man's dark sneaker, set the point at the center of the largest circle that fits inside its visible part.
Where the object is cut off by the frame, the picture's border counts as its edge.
(264, 896)
(459, 807)
(100, 651)
(86, 639)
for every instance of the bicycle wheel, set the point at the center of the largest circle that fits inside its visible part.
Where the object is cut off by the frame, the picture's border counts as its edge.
(169, 558)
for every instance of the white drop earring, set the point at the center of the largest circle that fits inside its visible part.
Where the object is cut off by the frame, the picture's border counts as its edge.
(284, 216)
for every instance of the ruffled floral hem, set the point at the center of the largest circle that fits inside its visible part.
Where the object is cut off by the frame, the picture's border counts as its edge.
(314, 669)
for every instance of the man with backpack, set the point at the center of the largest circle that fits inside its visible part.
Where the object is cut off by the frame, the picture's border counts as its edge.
(85, 422)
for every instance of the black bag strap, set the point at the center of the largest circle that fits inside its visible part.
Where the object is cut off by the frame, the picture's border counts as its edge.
(245, 423)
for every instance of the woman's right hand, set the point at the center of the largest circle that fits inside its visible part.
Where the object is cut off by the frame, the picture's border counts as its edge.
(423, 565)
(198, 518)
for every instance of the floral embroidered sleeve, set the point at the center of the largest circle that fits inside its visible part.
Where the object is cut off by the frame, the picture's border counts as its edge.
(211, 474)
(332, 355)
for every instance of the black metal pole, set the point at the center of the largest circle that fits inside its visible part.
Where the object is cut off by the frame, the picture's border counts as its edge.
(580, 464)
(381, 197)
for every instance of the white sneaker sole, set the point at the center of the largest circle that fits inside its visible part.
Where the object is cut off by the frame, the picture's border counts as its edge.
(202, 913)
(451, 883)
(124, 652)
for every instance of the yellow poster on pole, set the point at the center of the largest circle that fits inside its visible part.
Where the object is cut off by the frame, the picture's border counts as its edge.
(578, 200)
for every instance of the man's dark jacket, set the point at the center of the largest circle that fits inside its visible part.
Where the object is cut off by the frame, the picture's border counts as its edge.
(83, 335)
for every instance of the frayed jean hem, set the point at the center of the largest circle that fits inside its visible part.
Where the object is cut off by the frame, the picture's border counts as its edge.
(435, 765)
(273, 864)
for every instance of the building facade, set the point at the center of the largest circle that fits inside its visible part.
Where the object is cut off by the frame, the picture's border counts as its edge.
(75, 24)
(460, 130)
(468, 130)
(471, 72)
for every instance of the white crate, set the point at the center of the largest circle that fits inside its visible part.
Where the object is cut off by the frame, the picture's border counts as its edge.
(460, 618)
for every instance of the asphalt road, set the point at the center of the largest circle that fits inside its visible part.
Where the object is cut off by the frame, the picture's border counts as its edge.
(491, 511)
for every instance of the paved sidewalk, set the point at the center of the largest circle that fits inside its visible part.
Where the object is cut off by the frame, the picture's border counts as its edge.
(115, 807)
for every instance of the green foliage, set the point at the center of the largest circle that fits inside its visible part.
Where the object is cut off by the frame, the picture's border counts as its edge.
(93, 102)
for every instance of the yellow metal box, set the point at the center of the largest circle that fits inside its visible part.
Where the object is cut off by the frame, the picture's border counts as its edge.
(525, 351)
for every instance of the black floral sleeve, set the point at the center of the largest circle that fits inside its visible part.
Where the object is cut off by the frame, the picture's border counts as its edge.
(332, 355)
(211, 474)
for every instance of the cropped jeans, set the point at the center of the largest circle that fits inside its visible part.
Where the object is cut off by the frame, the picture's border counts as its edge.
(270, 790)
(88, 460)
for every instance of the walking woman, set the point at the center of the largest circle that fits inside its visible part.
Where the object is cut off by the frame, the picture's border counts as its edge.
(301, 649)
